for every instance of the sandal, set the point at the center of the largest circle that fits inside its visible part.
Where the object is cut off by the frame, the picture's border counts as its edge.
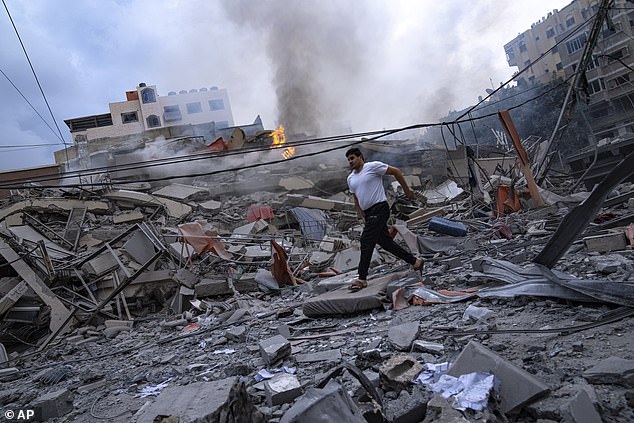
(357, 285)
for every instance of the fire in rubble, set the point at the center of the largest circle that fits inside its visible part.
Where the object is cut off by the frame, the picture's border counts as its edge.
(279, 140)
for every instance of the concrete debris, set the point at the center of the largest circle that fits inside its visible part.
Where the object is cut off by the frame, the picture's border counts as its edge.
(225, 298)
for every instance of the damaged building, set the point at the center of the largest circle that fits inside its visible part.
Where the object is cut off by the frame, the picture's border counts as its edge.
(174, 266)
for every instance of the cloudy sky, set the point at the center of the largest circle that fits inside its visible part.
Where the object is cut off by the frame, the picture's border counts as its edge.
(370, 64)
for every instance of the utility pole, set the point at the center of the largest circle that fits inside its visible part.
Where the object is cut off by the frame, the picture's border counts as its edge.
(543, 159)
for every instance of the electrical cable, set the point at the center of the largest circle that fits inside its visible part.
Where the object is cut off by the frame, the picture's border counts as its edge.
(573, 32)
(32, 107)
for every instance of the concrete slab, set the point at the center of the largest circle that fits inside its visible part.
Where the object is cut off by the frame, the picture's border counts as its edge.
(211, 206)
(52, 404)
(330, 404)
(517, 386)
(402, 336)
(28, 233)
(180, 192)
(133, 216)
(198, 402)
(611, 370)
(604, 243)
(212, 287)
(274, 349)
(59, 204)
(174, 209)
(282, 388)
(295, 183)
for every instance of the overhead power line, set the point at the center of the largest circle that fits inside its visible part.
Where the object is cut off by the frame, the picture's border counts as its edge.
(17, 33)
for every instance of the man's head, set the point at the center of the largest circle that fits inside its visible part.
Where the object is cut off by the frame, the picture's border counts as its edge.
(355, 158)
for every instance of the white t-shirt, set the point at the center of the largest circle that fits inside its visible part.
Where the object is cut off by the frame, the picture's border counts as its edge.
(367, 185)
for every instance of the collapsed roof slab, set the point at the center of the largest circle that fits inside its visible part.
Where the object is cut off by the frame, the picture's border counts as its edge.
(174, 208)
(54, 204)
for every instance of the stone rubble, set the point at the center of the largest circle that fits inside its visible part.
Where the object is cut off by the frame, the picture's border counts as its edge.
(158, 324)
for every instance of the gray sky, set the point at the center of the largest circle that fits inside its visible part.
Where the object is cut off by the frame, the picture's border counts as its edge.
(373, 64)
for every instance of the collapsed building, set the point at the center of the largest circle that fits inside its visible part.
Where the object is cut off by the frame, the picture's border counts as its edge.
(223, 296)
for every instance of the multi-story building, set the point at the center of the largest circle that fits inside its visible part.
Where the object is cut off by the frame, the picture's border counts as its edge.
(539, 43)
(144, 109)
(610, 74)
(178, 123)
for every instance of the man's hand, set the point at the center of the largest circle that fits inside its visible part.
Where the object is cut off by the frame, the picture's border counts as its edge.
(409, 193)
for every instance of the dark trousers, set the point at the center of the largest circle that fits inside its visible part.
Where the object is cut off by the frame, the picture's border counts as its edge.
(375, 232)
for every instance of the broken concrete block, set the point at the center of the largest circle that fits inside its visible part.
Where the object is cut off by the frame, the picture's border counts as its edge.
(330, 404)
(53, 404)
(402, 336)
(274, 349)
(246, 283)
(582, 410)
(399, 371)
(133, 216)
(237, 334)
(612, 370)
(212, 287)
(439, 409)
(211, 206)
(114, 331)
(408, 408)
(475, 313)
(517, 386)
(201, 402)
(281, 389)
(186, 277)
(323, 356)
(604, 243)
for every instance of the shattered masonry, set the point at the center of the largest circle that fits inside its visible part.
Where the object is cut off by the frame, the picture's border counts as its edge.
(193, 302)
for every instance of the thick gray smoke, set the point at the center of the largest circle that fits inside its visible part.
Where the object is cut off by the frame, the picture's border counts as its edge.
(313, 49)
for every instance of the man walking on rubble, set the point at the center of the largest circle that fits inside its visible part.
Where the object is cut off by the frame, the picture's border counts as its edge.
(366, 185)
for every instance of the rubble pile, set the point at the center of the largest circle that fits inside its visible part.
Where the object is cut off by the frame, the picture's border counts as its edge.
(191, 303)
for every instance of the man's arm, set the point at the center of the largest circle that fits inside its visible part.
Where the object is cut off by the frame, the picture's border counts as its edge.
(398, 175)
(358, 207)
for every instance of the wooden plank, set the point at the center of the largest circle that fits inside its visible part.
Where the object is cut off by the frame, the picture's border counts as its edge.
(509, 126)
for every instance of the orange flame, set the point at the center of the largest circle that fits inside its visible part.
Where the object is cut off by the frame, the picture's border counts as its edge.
(279, 139)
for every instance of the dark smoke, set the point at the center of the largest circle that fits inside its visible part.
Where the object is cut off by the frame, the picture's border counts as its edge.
(313, 48)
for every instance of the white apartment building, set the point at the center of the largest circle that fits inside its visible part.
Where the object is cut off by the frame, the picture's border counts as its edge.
(145, 110)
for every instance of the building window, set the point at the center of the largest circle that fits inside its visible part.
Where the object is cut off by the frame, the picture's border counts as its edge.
(576, 43)
(216, 104)
(619, 80)
(222, 124)
(148, 95)
(171, 113)
(527, 63)
(550, 32)
(522, 47)
(585, 13)
(194, 108)
(129, 117)
(596, 86)
(510, 54)
(570, 21)
(153, 121)
(559, 66)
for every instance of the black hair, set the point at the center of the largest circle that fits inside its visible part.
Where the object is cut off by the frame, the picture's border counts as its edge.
(355, 151)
